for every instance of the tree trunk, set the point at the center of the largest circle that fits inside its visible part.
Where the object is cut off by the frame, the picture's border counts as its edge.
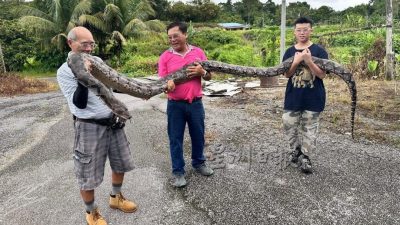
(2, 64)
(389, 68)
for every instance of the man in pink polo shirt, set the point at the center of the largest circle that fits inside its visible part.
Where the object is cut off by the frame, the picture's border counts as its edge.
(184, 102)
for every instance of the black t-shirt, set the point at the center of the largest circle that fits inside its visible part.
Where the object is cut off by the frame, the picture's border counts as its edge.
(305, 95)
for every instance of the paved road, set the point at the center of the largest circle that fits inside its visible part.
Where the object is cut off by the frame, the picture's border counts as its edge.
(353, 183)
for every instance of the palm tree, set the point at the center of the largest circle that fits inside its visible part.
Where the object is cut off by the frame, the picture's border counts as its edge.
(53, 21)
(111, 21)
(115, 20)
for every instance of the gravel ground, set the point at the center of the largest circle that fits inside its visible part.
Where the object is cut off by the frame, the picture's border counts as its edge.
(354, 182)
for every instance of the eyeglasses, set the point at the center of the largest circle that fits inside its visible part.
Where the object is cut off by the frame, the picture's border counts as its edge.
(88, 44)
(302, 30)
(174, 36)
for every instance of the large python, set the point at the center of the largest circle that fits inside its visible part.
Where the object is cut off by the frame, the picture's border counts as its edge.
(101, 78)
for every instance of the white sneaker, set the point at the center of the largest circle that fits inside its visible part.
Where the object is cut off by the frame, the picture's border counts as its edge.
(179, 181)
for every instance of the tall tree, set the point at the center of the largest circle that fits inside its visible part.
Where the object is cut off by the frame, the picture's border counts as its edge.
(322, 14)
(161, 8)
(227, 7)
(249, 9)
(297, 9)
(196, 11)
(270, 9)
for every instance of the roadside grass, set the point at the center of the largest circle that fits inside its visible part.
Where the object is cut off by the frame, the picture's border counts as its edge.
(37, 74)
(12, 84)
(377, 118)
(377, 113)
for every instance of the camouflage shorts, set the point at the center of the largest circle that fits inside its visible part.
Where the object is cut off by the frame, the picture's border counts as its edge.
(301, 129)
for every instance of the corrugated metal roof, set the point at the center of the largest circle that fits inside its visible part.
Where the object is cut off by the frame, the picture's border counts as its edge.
(233, 25)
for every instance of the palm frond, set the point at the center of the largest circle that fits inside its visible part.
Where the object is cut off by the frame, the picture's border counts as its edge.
(118, 37)
(92, 21)
(112, 14)
(83, 7)
(155, 25)
(70, 26)
(126, 8)
(60, 41)
(144, 9)
(134, 27)
(24, 10)
(38, 26)
(57, 11)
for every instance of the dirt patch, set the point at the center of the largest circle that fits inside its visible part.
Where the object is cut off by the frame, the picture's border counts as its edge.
(12, 84)
(377, 115)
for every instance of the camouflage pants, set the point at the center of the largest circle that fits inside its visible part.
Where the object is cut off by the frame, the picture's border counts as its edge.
(301, 129)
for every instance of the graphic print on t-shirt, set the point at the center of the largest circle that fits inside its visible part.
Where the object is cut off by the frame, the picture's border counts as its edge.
(303, 78)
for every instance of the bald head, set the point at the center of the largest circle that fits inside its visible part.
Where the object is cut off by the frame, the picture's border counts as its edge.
(80, 39)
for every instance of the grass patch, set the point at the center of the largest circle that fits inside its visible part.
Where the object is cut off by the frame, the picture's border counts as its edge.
(12, 84)
(37, 74)
(377, 114)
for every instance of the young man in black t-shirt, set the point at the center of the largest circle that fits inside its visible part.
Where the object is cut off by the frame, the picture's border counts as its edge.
(304, 96)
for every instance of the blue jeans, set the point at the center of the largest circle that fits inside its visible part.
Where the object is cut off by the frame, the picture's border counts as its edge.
(179, 113)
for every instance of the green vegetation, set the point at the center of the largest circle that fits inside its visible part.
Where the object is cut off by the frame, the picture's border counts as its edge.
(131, 36)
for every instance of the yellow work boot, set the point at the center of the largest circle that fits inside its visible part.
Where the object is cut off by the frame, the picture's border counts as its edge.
(94, 218)
(119, 202)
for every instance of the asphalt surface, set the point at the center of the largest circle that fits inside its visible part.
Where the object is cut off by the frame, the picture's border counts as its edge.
(353, 182)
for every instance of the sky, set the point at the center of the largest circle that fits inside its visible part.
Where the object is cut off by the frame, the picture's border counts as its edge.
(337, 5)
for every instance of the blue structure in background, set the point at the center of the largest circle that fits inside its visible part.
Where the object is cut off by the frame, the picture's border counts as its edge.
(234, 26)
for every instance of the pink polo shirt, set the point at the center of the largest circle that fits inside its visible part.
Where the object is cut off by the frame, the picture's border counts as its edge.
(171, 61)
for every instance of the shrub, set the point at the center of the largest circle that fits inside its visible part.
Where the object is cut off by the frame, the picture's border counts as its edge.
(344, 55)
(150, 46)
(236, 54)
(139, 66)
(16, 45)
(396, 43)
(210, 39)
(46, 60)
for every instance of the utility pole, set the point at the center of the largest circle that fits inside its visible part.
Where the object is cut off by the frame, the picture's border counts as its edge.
(389, 68)
(283, 28)
(2, 64)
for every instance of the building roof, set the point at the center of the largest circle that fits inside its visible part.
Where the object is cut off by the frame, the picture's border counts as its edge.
(234, 25)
